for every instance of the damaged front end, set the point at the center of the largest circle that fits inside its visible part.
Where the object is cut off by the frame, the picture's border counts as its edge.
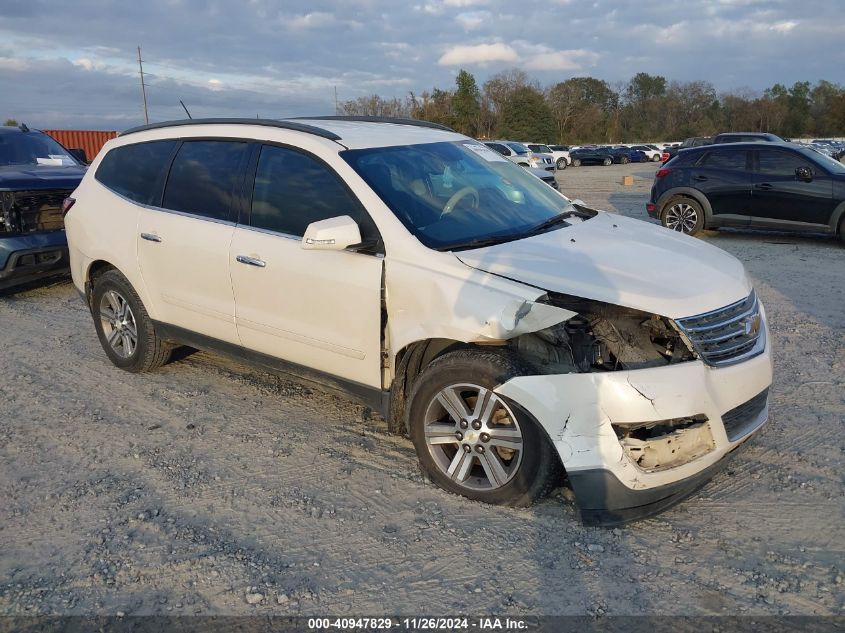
(602, 337)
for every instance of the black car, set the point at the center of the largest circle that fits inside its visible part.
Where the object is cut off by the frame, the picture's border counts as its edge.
(36, 175)
(591, 156)
(757, 185)
(693, 141)
(747, 137)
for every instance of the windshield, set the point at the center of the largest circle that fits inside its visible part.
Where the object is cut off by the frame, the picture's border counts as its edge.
(519, 149)
(540, 149)
(828, 162)
(458, 195)
(32, 148)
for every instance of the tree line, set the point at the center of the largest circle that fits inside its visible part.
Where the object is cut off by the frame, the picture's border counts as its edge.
(511, 104)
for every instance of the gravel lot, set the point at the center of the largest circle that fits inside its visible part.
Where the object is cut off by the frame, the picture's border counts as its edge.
(209, 487)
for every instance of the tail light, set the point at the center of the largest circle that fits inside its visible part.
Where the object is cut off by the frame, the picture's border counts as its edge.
(662, 172)
(67, 203)
(664, 157)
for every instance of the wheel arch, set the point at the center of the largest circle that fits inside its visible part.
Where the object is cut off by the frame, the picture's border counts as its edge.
(686, 192)
(837, 220)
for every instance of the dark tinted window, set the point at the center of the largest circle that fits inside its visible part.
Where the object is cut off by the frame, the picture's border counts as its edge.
(780, 163)
(292, 190)
(134, 171)
(499, 148)
(202, 178)
(725, 159)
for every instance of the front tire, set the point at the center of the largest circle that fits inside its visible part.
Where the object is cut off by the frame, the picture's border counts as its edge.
(474, 442)
(124, 327)
(684, 215)
(561, 164)
(576, 162)
(607, 162)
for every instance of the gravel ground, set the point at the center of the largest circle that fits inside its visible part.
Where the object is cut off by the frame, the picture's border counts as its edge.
(208, 487)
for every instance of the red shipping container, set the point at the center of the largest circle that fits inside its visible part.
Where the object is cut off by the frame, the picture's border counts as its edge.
(91, 141)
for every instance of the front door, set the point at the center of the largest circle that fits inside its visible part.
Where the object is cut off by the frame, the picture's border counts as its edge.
(319, 309)
(781, 198)
(724, 176)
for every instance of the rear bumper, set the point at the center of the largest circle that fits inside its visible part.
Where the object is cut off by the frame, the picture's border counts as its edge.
(34, 256)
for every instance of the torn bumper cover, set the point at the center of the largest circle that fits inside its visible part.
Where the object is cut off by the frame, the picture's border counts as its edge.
(635, 442)
(32, 256)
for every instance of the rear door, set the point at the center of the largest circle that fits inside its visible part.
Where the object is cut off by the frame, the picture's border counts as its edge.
(782, 198)
(183, 244)
(318, 309)
(723, 175)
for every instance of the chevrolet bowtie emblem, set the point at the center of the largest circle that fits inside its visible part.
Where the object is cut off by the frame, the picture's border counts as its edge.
(751, 325)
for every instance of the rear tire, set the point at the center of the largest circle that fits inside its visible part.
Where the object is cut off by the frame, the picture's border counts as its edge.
(842, 230)
(683, 215)
(655, 158)
(474, 442)
(625, 160)
(124, 327)
(576, 162)
(607, 162)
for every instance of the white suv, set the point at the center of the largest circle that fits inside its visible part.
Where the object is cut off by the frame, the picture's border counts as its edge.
(507, 331)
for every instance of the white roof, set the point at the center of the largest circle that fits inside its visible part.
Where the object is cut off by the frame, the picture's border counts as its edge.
(364, 134)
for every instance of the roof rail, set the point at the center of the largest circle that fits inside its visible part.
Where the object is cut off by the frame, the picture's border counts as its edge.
(284, 124)
(378, 119)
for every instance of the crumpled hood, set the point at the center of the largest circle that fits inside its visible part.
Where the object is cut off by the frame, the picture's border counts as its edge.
(621, 261)
(30, 177)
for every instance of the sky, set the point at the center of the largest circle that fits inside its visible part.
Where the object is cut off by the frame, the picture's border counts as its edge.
(74, 64)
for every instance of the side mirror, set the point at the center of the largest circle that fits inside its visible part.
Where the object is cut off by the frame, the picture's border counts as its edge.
(79, 154)
(804, 173)
(333, 234)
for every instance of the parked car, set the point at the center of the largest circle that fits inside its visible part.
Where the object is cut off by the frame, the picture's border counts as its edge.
(559, 158)
(651, 152)
(747, 137)
(772, 185)
(36, 175)
(561, 151)
(591, 156)
(422, 272)
(694, 141)
(623, 155)
(520, 154)
(545, 175)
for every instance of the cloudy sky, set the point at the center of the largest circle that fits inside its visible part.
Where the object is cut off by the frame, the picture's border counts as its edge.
(73, 64)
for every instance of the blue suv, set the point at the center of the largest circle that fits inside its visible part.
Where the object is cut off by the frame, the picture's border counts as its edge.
(751, 185)
(36, 175)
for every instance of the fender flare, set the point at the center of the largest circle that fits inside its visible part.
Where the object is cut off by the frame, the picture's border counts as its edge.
(836, 218)
(688, 192)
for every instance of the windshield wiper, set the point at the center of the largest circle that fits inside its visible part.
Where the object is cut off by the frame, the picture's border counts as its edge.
(560, 218)
(480, 242)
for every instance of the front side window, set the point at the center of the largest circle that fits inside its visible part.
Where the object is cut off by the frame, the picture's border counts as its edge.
(776, 163)
(293, 189)
(33, 148)
(134, 171)
(458, 194)
(202, 178)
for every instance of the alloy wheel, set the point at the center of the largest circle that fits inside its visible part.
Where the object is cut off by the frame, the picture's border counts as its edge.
(473, 437)
(681, 217)
(118, 323)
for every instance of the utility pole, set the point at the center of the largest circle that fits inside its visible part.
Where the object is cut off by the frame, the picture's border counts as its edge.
(335, 101)
(143, 87)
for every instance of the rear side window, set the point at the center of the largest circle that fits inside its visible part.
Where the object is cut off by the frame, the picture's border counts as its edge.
(499, 148)
(135, 171)
(202, 178)
(292, 190)
(779, 163)
(724, 159)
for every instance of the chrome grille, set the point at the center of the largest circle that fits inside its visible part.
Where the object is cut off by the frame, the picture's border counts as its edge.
(728, 335)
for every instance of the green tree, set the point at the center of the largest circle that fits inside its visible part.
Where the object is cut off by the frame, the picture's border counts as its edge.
(11, 123)
(526, 116)
(465, 104)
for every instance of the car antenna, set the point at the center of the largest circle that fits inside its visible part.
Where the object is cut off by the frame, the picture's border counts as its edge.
(186, 109)
(22, 127)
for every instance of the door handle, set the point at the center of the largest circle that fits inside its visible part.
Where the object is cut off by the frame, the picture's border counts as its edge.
(150, 237)
(700, 178)
(251, 261)
(765, 186)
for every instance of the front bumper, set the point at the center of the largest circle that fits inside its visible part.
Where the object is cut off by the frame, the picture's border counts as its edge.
(579, 412)
(32, 256)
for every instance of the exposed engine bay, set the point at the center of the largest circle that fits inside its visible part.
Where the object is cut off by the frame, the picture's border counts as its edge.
(30, 211)
(602, 337)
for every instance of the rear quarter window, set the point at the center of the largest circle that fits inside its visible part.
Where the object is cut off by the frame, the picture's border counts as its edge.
(135, 171)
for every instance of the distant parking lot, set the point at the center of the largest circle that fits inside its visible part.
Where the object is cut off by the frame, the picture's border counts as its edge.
(209, 487)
